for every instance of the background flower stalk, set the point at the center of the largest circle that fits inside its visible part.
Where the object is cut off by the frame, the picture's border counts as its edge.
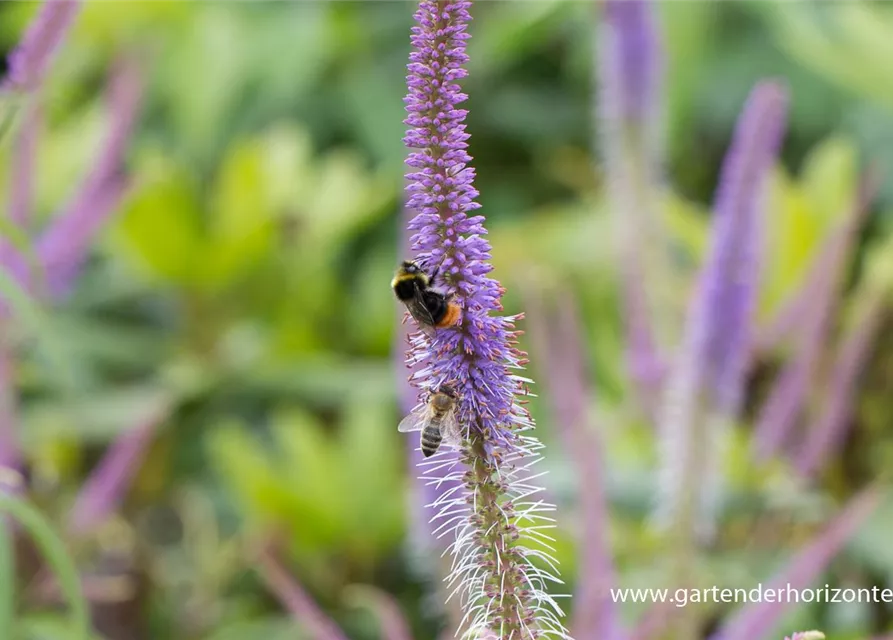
(630, 69)
(778, 416)
(706, 387)
(558, 342)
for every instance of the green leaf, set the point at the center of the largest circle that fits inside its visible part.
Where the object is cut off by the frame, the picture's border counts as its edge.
(272, 629)
(687, 226)
(64, 155)
(248, 472)
(53, 550)
(345, 200)
(159, 228)
(793, 233)
(7, 580)
(371, 97)
(240, 200)
(310, 467)
(47, 340)
(241, 224)
(114, 26)
(110, 343)
(848, 48)
(505, 32)
(686, 28)
(43, 626)
(92, 417)
(323, 381)
(205, 75)
(371, 460)
(829, 179)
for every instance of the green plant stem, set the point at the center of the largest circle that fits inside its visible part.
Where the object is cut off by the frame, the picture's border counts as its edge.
(684, 569)
(53, 550)
(7, 578)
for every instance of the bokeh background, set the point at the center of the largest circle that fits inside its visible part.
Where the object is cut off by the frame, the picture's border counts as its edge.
(222, 372)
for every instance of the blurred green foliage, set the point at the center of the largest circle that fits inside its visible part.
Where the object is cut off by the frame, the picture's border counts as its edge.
(245, 279)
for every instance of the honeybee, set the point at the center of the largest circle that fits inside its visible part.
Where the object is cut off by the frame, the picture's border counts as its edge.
(437, 421)
(430, 309)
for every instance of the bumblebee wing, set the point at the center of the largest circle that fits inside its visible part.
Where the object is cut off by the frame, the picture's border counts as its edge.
(415, 421)
(419, 308)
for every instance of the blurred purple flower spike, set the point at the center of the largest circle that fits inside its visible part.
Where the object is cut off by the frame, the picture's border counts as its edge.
(830, 429)
(309, 617)
(63, 246)
(757, 619)
(393, 624)
(21, 186)
(729, 283)
(704, 392)
(631, 70)
(779, 413)
(31, 59)
(103, 491)
(9, 447)
(558, 342)
(630, 76)
(28, 65)
(497, 521)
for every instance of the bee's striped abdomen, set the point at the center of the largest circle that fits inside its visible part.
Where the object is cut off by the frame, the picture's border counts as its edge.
(431, 439)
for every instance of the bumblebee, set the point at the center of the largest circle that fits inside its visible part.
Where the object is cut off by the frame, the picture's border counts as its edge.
(436, 420)
(430, 309)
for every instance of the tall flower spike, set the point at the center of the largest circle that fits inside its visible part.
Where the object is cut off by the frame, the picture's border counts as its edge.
(557, 339)
(30, 61)
(853, 351)
(704, 393)
(756, 619)
(779, 413)
(501, 566)
(21, 187)
(63, 245)
(708, 381)
(629, 82)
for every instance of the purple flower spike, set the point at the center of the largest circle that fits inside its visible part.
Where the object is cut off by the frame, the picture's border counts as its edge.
(10, 453)
(830, 430)
(311, 619)
(706, 388)
(391, 619)
(731, 278)
(500, 561)
(29, 62)
(62, 247)
(559, 343)
(830, 261)
(106, 486)
(21, 187)
(631, 69)
(756, 619)
(779, 413)
(630, 74)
